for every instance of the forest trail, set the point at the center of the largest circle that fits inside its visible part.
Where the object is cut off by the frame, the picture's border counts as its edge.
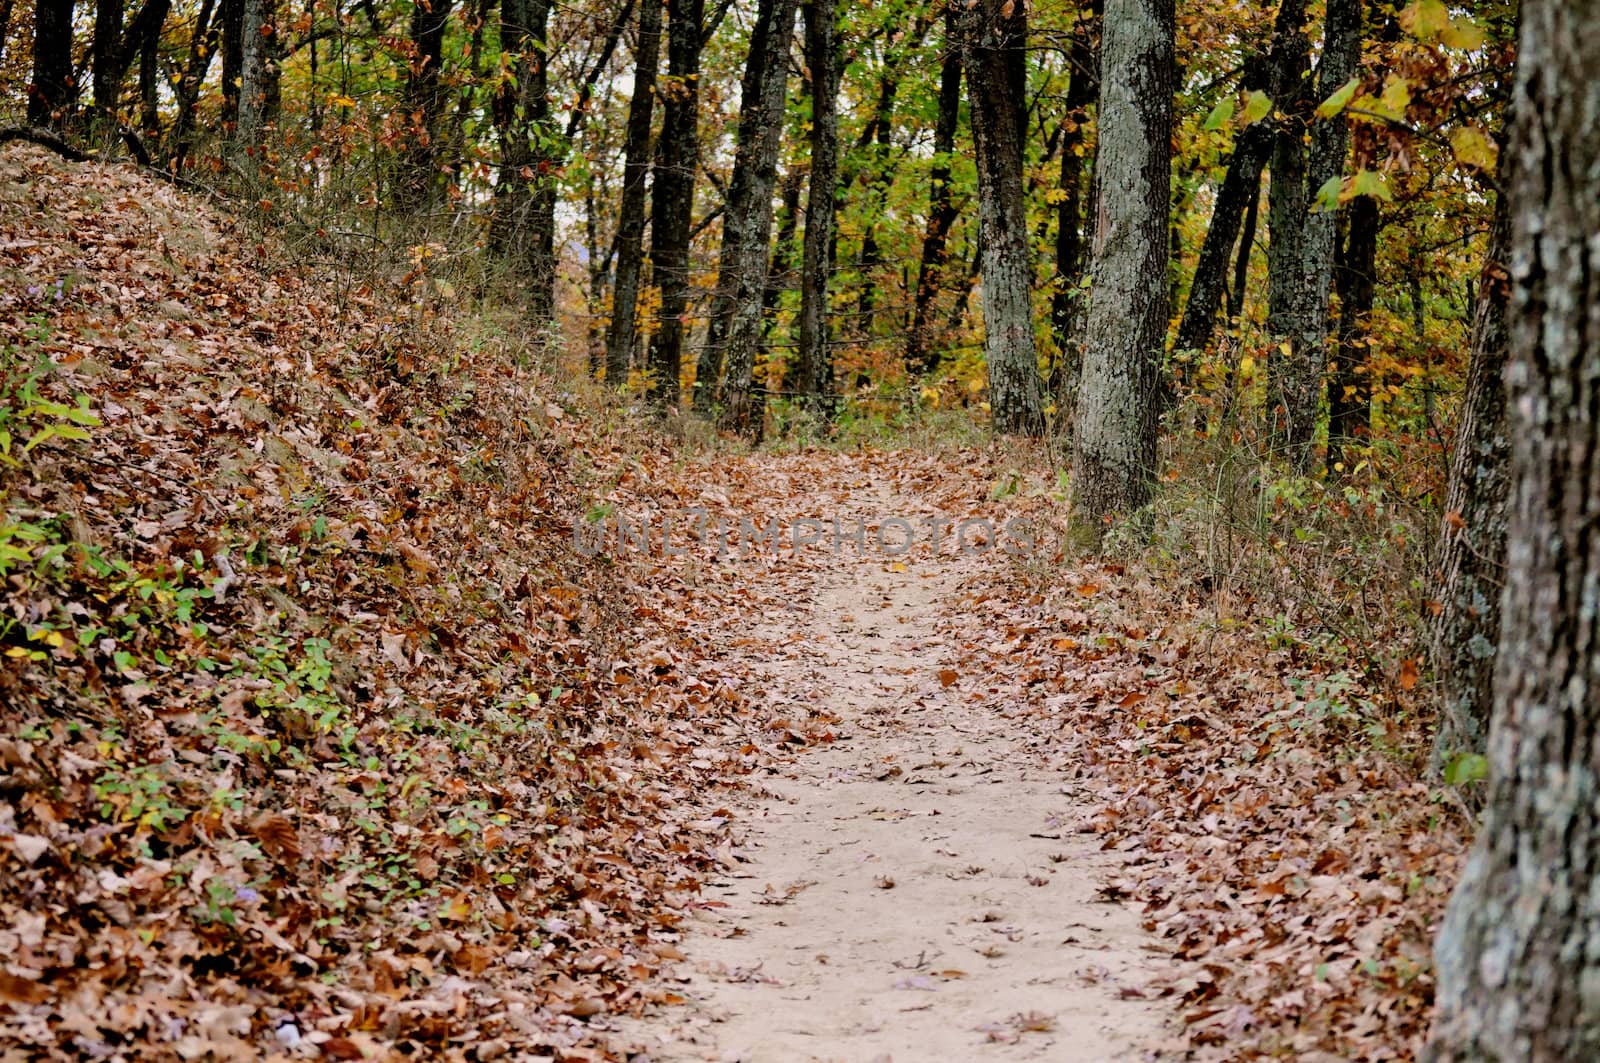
(919, 888)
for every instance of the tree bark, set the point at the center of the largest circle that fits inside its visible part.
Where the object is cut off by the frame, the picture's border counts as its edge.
(103, 53)
(1355, 278)
(620, 336)
(672, 195)
(920, 354)
(257, 72)
(425, 100)
(1517, 957)
(1286, 195)
(50, 97)
(1114, 444)
(994, 36)
(526, 191)
(747, 222)
(1302, 380)
(1067, 297)
(1472, 553)
(815, 357)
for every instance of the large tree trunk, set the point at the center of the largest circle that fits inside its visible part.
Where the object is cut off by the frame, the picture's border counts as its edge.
(1302, 378)
(994, 36)
(1114, 444)
(672, 195)
(1473, 541)
(50, 97)
(425, 100)
(942, 213)
(747, 222)
(815, 358)
(1067, 308)
(620, 336)
(1517, 956)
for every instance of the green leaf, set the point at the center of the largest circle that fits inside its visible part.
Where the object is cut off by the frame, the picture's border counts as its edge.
(1369, 183)
(1465, 768)
(1220, 115)
(1257, 107)
(1328, 194)
(1340, 99)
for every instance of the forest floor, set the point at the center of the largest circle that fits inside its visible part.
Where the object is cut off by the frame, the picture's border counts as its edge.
(320, 738)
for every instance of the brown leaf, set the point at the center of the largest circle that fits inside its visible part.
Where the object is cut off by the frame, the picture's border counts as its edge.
(277, 836)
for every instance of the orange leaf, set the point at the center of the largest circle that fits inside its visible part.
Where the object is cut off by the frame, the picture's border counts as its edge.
(1408, 673)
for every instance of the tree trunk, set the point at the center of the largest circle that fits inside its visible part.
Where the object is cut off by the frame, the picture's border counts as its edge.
(747, 223)
(994, 36)
(920, 354)
(232, 62)
(103, 52)
(1286, 196)
(424, 102)
(620, 336)
(1114, 444)
(1517, 961)
(1278, 76)
(1302, 379)
(257, 71)
(526, 191)
(822, 57)
(207, 32)
(1241, 262)
(672, 195)
(1355, 277)
(1067, 299)
(1472, 552)
(50, 97)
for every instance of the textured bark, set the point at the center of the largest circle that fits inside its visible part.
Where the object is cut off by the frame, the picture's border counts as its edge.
(525, 192)
(1355, 277)
(994, 36)
(942, 213)
(672, 194)
(747, 223)
(1473, 541)
(621, 335)
(1286, 192)
(257, 73)
(1518, 953)
(232, 16)
(1067, 300)
(822, 57)
(50, 97)
(103, 54)
(1302, 378)
(1114, 444)
(417, 181)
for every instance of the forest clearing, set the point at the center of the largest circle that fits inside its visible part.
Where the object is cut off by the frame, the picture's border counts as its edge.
(771, 531)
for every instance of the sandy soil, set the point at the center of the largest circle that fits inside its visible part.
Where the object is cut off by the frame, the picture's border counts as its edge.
(918, 889)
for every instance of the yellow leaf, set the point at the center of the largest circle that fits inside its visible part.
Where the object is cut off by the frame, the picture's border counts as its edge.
(1425, 19)
(16, 651)
(1472, 148)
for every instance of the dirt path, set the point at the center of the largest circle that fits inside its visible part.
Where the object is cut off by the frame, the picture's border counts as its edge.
(915, 890)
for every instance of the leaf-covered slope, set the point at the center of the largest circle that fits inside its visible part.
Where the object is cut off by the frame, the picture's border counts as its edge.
(310, 730)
